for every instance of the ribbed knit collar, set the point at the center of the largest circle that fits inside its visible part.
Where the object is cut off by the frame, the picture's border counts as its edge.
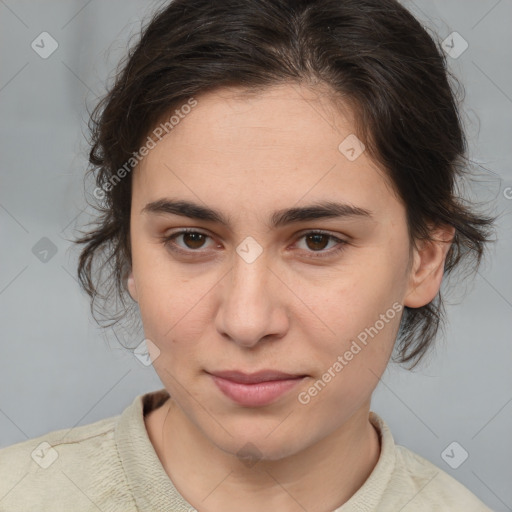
(152, 489)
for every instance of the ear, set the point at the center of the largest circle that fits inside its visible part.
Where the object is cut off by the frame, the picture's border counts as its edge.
(130, 282)
(428, 267)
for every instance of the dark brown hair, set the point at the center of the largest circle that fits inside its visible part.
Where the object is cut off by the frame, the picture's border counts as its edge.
(372, 54)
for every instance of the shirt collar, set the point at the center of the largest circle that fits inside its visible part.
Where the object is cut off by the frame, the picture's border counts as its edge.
(152, 488)
(370, 494)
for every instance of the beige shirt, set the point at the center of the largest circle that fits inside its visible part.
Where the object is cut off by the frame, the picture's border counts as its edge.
(111, 466)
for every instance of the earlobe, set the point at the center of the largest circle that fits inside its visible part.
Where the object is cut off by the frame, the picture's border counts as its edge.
(428, 267)
(132, 289)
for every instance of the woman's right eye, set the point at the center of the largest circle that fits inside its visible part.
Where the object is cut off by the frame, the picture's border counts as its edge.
(193, 240)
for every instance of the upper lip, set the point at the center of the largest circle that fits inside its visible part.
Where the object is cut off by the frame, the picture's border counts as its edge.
(253, 378)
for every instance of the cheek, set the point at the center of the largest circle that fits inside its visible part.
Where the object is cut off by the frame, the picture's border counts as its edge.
(360, 317)
(352, 360)
(171, 312)
(163, 295)
(174, 308)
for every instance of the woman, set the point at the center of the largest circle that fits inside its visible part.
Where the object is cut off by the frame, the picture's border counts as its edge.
(276, 182)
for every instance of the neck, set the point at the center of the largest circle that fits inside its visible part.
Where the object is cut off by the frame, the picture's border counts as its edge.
(318, 478)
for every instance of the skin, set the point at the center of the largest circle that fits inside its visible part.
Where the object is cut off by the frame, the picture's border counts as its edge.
(248, 156)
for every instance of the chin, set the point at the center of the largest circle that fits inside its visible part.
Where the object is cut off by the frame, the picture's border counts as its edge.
(251, 450)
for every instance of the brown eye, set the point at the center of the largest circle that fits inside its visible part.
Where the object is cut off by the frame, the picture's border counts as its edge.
(318, 241)
(193, 243)
(315, 244)
(193, 240)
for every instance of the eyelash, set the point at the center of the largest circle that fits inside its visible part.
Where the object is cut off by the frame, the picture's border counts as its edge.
(169, 243)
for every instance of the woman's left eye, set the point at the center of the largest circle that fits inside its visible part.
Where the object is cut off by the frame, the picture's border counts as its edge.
(194, 241)
(320, 240)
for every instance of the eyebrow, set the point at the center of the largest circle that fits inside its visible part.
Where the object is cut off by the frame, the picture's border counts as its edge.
(280, 218)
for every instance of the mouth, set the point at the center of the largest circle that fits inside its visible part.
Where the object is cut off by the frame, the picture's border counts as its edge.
(256, 377)
(255, 389)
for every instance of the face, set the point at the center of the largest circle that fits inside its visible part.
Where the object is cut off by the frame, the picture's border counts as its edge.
(296, 293)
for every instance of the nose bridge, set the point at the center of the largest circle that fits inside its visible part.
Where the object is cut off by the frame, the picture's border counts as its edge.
(249, 279)
(249, 305)
(250, 271)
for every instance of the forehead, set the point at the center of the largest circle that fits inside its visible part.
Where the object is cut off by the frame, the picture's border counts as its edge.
(262, 151)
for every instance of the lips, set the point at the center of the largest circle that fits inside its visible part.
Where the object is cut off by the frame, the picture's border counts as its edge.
(256, 377)
(255, 389)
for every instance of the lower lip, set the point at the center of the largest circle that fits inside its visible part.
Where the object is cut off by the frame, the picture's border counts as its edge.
(254, 395)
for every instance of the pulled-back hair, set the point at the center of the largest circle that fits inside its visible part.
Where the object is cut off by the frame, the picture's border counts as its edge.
(371, 55)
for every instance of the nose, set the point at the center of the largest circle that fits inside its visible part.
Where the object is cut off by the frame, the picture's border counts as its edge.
(252, 303)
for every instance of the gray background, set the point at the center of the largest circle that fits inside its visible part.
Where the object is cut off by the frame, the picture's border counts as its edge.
(58, 370)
